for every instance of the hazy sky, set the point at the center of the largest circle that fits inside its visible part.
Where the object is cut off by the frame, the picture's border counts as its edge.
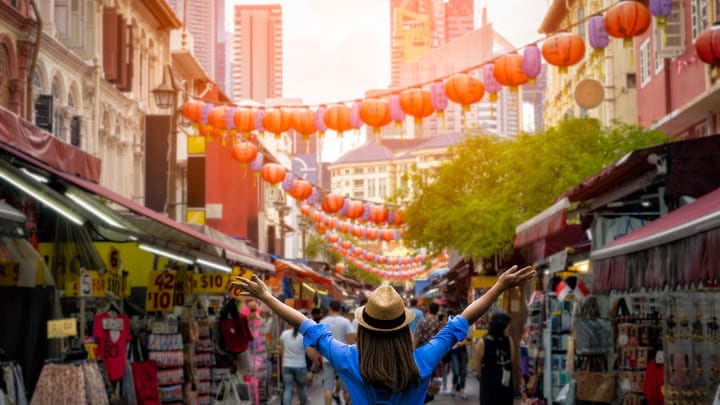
(334, 50)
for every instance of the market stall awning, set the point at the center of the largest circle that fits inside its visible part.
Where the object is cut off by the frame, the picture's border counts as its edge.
(546, 223)
(300, 272)
(696, 217)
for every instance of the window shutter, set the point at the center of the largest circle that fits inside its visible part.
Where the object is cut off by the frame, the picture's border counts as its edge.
(674, 43)
(87, 51)
(44, 112)
(110, 44)
(76, 31)
(122, 84)
(75, 131)
(62, 19)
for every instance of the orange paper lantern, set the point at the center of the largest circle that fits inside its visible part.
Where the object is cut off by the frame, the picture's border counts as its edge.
(464, 89)
(378, 214)
(244, 152)
(416, 102)
(376, 113)
(355, 209)
(371, 233)
(626, 20)
(508, 71)
(277, 121)
(273, 173)
(244, 119)
(303, 121)
(306, 210)
(337, 118)
(333, 203)
(563, 49)
(192, 110)
(300, 189)
(218, 116)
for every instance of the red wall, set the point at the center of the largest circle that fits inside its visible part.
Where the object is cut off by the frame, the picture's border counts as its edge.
(235, 187)
(682, 79)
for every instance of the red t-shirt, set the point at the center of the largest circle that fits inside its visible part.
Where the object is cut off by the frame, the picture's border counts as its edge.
(112, 343)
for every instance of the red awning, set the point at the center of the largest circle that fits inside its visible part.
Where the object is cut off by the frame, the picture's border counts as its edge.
(696, 217)
(301, 273)
(546, 223)
(31, 143)
(232, 253)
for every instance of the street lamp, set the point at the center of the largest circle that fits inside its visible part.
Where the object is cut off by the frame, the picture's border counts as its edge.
(166, 95)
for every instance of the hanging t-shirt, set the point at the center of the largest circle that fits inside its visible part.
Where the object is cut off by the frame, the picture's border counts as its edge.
(112, 333)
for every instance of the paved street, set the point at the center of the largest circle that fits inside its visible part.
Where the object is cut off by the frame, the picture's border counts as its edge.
(315, 394)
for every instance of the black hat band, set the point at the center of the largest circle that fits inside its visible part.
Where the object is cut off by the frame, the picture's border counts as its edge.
(383, 323)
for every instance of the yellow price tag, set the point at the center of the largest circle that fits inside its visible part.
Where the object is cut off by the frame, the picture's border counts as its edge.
(9, 272)
(114, 282)
(89, 283)
(58, 328)
(161, 291)
(233, 289)
(209, 283)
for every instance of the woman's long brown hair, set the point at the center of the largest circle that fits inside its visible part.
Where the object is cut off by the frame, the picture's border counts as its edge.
(386, 359)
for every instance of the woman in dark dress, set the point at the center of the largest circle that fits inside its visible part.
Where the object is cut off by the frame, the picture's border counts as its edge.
(494, 357)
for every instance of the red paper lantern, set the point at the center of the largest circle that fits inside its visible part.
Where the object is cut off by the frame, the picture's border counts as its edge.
(376, 113)
(321, 229)
(244, 152)
(306, 210)
(371, 233)
(563, 49)
(277, 121)
(244, 119)
(399, 216)
(508, 71)
(209, 131)
(346, 244)
(337, 118)
(464, 89)
(707, 45)
(273, 173)
(340, 268)
(355, 209)
(626, 20)
(317, 216)
(387, 235)
(370, 256)
(330, 222)
(417, 102)
(192, 110)
(382, 259)
(358, 231)
(301, 189)
(333, 238)
(303, 121)
(378, 213)
(333, 203)
(358, 250)
(344, 227)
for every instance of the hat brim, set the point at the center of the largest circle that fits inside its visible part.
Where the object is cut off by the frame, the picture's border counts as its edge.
(409, 316)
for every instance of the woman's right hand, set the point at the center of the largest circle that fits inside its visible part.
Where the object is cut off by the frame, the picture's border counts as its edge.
(514, 276)
(253, 286)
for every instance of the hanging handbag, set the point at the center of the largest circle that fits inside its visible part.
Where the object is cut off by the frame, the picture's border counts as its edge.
(227, 393)
(593, 334)
(235, 334)
(594, 383)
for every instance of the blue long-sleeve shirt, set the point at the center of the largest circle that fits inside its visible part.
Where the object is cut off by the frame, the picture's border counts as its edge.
(346, 361)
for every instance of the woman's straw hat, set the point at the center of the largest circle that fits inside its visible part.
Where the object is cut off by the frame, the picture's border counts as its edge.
(384, 311)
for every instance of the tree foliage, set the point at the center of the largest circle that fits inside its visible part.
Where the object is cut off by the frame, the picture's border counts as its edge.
(474, 200)
(317, 248)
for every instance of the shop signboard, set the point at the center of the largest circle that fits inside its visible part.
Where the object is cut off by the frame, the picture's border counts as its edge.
(483, 282)
(89, 283)
(183, 287)
(161, 291)
(210, 283)
(233, 289)
(26, 273)
(114, 282)
(60, 328)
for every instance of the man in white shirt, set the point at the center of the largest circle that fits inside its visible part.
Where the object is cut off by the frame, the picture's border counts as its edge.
(343, 331)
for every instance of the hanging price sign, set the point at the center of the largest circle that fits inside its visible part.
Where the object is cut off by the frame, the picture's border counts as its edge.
(209, 283)
(58, 328)
(183, 287)
(233, 289)
(88, 283)
(114, 282)
(9, 272)
(161, 291)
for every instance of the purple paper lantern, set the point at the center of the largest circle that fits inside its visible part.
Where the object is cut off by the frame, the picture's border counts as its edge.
(532, 61)
(597, 36)
(661, 9)
(366, 212)
(314, 196)
(257, 164)
(396, 112)
(344, 210)
(355, 120)
(491, 84)
(229, 121)
(438, 96)
(259, 114)
(287, 182)
(319, 121)
(205, 111)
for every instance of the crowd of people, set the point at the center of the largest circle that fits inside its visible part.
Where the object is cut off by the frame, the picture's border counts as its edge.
(392, 352)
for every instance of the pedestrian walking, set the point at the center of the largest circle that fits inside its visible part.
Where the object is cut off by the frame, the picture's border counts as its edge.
(342, 330)
(459, 361)
(294, 366)
(384, 367)
(494, 359)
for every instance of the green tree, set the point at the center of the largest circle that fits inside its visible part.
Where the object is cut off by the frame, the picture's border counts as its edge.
(474, 200)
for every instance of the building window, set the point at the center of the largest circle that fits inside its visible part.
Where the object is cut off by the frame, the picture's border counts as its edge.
(358, 183)
(698, 17)
(645, 63)
(702, 130)
(630, 81)
(717, 10)
(382, 187)
(358, 170)
(371, 188)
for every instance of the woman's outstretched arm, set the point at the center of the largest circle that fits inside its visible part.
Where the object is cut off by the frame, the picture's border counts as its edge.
(256, 288)
(510, 278)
